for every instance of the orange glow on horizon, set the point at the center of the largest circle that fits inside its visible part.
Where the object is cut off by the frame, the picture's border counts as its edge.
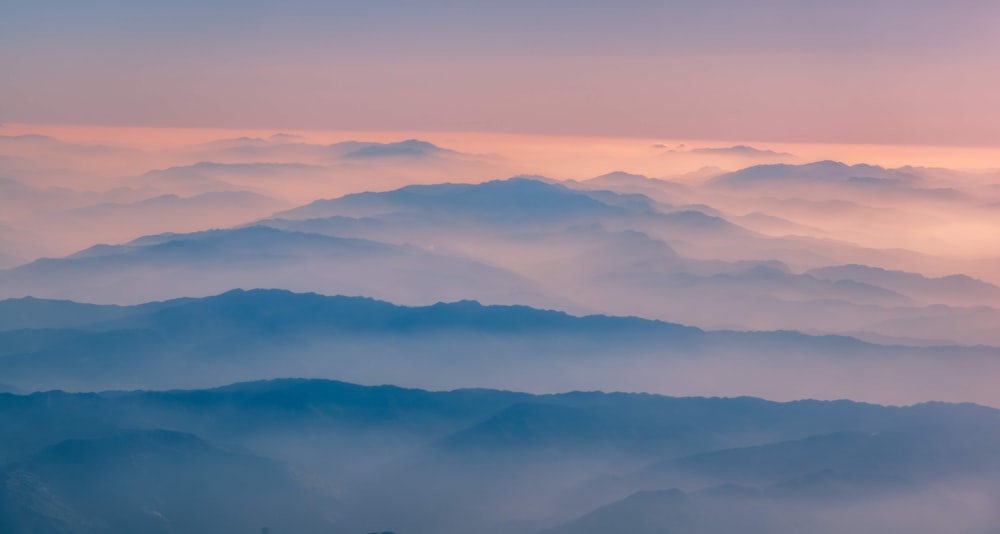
(556, 156)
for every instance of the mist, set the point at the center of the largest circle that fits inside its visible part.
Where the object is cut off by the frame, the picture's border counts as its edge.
(317, 456)
(515, 267)
(224, 310)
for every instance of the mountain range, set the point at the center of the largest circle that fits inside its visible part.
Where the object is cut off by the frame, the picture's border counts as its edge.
(257, 334)
(280, 333)
(325, 456)
(527, 241)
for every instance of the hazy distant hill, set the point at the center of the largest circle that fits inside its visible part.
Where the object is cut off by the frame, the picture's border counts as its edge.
(603, 251)
(817, 172)
(220, 208)
(407, 148)
(172, 265)
(524, 241)
(246, 335)
(294, 148)
(517, 200)
(959, 289)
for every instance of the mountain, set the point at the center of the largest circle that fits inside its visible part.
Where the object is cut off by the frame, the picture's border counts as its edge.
(646, 512)
(624, 182)
(213, 177)
(905, 184)
(517, 200)
(162, 205)
(153, 481)
(247, 335)
(895, 480)
(331, 423)
(118, 222)
(868, 505)
(532, 215)
(925, 456)
(817, 172)
(407, 148)
(737, 150)
(954, 289)
(520, 240)
(604, 252)
(22, 201)
(56, 220)
(295, 148)
(147, 342)
(320, 456)
(172, 265)
(32, 313)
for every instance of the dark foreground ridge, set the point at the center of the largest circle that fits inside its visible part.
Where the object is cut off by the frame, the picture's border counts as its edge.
(297, 455)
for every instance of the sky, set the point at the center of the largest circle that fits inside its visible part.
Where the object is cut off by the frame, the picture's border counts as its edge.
(880, 72)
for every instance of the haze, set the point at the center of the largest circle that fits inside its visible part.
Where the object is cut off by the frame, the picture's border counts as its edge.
(436, 267)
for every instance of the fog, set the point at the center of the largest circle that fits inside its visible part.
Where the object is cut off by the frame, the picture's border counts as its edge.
(888, 255)
(320, 456)
(255, 335)
(717, 274)
(73, 195)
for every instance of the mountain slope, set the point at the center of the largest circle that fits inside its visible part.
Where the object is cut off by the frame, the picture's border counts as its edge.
(955, 289)
(333, 456)
(156, 267)
(517, 200)
(153, 481)
(249, 335)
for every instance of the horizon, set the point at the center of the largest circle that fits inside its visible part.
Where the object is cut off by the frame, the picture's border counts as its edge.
(510, 267)
(552, 153)
(791, 71)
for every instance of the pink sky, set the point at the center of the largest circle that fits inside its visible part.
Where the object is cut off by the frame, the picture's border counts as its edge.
(855, 72)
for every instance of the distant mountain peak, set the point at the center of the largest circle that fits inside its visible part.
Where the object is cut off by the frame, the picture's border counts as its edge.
(406, 148)
(824, 171)
(514, 200)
